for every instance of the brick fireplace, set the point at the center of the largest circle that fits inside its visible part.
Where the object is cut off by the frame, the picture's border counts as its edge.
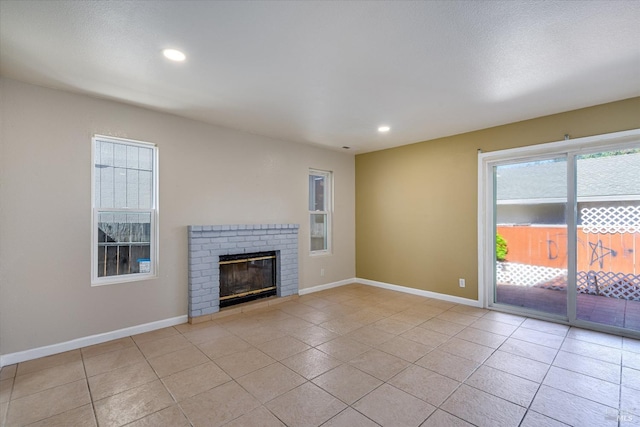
(208, 242)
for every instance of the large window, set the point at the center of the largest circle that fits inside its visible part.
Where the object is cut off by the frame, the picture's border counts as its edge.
(125, 202)
(320, 211)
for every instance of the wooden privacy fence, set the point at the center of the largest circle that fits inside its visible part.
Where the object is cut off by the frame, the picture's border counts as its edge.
(546, 246)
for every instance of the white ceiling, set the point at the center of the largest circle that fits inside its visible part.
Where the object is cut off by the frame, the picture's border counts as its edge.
(328, 72)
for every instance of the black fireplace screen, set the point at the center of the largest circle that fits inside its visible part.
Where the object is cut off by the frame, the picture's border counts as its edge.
(246, 277)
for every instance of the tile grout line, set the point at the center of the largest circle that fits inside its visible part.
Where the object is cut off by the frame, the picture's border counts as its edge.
(164, 385)
(540, 384)
(478, 367)
(86, 375)
(5, 418)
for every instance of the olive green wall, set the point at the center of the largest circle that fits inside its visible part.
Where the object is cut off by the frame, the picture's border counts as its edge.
(416, 205)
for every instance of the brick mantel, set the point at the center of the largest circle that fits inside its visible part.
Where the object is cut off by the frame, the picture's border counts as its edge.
(208, 242)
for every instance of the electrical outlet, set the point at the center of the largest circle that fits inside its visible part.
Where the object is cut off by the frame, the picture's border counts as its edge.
(461, 283)
(322, 272)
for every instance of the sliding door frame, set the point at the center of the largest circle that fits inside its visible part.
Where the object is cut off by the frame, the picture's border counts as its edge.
(570, 148)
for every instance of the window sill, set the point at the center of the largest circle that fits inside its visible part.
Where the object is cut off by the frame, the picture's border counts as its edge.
(320, 253)
(114, 280)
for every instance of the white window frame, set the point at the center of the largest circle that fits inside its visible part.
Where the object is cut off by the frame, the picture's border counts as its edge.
(153, 211)
(328, 205)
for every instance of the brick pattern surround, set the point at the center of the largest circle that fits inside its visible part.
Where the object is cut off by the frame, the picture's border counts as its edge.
(208, 242)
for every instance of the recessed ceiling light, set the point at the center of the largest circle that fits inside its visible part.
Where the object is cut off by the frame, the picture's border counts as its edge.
(384, 129)
(174, 55)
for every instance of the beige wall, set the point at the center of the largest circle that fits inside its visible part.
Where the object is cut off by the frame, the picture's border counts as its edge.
(416, 205)
(208, 175)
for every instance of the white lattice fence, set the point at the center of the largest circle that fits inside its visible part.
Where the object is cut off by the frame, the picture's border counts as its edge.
(613, 219)
(614, 285)
(511, 273)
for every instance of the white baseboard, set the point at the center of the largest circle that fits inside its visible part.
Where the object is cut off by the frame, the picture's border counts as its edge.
(420, 292)
(413, 291)
(22, 356)
(326, 286)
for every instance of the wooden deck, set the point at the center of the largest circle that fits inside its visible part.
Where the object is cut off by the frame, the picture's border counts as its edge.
(604, 310)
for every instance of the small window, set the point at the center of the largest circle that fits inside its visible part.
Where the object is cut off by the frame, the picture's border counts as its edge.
(320, 211)
(125, 210)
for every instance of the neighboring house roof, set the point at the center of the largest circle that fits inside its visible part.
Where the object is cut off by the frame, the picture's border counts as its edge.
(601, 178)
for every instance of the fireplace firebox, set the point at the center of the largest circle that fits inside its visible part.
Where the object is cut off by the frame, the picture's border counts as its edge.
(246, 277)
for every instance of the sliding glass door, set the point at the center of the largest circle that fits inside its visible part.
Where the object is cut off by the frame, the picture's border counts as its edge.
(560, 231)
(608, 238)
(531, 235)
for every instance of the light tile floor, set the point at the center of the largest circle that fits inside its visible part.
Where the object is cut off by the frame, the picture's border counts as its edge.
(350, 356)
